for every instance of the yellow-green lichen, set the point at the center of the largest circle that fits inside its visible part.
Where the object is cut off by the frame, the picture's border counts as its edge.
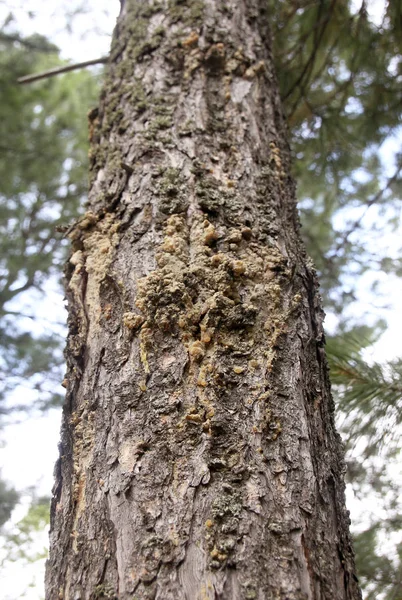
(172, 192)
(188, 13)
(104, 591)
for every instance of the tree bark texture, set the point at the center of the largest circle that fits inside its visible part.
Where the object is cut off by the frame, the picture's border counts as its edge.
(199, 458)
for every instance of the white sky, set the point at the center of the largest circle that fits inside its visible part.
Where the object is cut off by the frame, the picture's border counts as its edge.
(91, 27)
(31, 447)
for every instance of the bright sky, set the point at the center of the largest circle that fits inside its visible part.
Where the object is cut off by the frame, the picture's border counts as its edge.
(89, 38)
(91, 23)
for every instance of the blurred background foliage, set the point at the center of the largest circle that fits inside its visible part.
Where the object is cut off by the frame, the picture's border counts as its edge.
(43, 146)
(43, 183)
(340, 75)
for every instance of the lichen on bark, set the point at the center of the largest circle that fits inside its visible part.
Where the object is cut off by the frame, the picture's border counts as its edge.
(199, 458)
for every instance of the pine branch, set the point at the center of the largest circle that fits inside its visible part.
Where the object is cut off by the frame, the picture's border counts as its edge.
(308, 67)
(349, 369)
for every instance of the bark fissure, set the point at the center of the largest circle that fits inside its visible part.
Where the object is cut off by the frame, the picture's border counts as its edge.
(199, 458)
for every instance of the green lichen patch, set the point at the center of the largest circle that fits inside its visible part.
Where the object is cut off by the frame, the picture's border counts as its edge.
(160, 122)
(227, 506)
(209, 194)
(139, 41)
(161, 107)
(189, 13)
(151, 44)
(222, 526)
(216, 197)
(250, 590)
(186, 128)
(138, 97)
(172, 191)
(104, 591)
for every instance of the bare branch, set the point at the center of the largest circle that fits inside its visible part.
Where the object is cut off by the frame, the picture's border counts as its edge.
(59, 70)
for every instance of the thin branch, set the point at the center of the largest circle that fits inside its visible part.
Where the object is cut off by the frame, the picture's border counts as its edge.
(318, 35)
(352, 228)
(296, 49)
(6, 294)
(59, 70)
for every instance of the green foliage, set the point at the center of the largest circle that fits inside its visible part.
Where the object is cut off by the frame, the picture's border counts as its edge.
(8, 500)
(380, 576)
(43, 180)
(23, 546)
(20, 541)
(369, 395)
(340, 77)
(372, 389)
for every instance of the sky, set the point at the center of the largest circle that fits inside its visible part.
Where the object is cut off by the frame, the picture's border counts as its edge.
(90, 24)
(89, 38)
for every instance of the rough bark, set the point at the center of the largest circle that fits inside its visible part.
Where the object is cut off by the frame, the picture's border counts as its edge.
(199, 458)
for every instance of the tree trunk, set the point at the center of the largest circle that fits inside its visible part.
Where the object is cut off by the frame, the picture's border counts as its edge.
(199, 458)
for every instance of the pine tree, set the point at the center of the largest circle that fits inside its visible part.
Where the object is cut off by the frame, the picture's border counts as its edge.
(199, 457)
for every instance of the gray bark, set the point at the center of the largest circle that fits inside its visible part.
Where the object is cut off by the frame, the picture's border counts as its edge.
(199, 458)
